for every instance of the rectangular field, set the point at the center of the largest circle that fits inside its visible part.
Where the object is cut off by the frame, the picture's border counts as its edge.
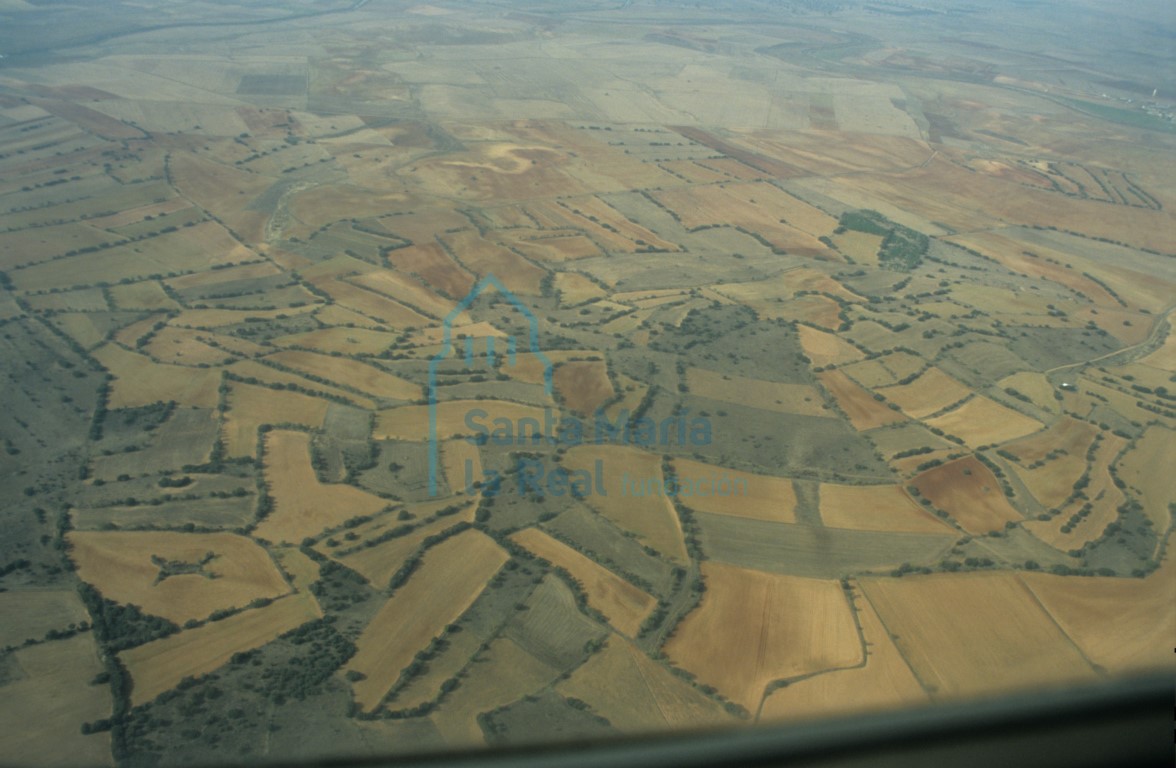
(406, 290)
(209, 513)
(583, 385)
(782, 220)
(351, 373)
(411, 422)
(759, 497)
(191, 249)
(814, 552)
(876, 508)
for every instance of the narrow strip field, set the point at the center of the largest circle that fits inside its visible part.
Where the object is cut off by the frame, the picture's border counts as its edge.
(454, 418)
(760, 497)
(623, 604)
(160, 665)
(813, 551)
(449, 579)
(352, 373)
(378, 562)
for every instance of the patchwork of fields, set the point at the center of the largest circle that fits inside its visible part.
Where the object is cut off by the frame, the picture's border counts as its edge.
(508, 382)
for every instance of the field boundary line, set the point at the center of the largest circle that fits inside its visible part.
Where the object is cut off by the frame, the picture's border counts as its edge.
(890, 636)
(1098, 669)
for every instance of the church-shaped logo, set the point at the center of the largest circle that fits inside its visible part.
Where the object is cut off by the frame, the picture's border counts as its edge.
(494, 346)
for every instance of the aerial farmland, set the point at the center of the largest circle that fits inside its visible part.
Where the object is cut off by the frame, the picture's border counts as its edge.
(387, 377)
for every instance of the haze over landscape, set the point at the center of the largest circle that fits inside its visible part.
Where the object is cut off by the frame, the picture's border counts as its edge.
(383, 377)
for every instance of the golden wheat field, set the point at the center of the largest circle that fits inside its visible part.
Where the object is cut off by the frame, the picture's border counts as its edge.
(160, 665)
(875, 508)
(448, 580)
(178, 576)
(303, 506)
(43, 712)
(884, 680)
(784, 626)
(862, 409)
(760, 497)
(1137, 608)
(250, 407)
(379, 562)
(932, 391)
(311, 311)
(974, 633)
(583, 386)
